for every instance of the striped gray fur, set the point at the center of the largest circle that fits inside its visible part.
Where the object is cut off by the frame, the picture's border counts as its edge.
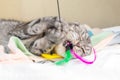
(43, 34)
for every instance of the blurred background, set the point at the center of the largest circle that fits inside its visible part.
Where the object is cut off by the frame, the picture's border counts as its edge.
(95, 13)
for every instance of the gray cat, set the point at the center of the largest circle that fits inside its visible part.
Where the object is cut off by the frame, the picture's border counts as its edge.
(43, 34)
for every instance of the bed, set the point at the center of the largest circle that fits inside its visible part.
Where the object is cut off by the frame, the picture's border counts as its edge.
(106, 66)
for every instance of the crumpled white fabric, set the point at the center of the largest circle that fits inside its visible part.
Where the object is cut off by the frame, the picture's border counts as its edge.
(15, 55)
(106, 67)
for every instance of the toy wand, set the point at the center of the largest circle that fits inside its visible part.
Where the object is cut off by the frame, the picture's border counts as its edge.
(58, 7)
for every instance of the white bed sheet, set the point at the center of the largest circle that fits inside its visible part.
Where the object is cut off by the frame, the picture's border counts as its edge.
(113, 29)
(106, 67)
